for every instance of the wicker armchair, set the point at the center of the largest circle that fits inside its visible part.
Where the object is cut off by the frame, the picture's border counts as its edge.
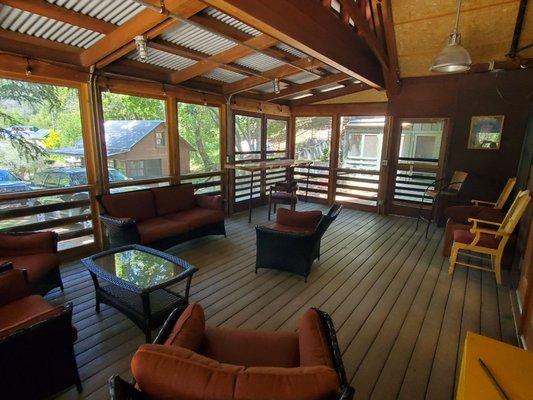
(293, 243)
(36, 341)
(313, 350)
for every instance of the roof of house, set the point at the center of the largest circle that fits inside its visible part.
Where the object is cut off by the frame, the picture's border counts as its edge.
(121, 136)
(29, 132)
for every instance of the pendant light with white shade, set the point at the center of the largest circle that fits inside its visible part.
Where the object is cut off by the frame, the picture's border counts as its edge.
(453, 57)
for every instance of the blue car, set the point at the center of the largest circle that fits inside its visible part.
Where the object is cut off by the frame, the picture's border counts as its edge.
(10, 183)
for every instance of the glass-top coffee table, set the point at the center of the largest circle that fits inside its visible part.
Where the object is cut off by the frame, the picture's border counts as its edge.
(135, 279)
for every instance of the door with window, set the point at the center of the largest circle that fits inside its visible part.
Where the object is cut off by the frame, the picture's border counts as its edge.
(419, 158)
(258, 138)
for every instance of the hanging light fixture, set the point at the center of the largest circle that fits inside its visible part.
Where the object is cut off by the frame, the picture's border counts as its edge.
(275, 84)
(453, 57)
(140, 43)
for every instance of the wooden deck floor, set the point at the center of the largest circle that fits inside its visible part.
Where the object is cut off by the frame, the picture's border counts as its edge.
(401, 319)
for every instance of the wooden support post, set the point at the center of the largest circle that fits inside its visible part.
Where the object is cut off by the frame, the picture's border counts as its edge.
(223, 121)
(383, 186)
(173, 139)
(333, 158)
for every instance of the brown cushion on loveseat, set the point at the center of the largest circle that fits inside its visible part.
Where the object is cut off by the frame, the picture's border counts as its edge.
(314, 349)
(158, 228)
(251, 348)
(138, 205)
(25, 312)
(25, 243)
(172, 199)
(197, 217)
(189, 329)
(37, 265)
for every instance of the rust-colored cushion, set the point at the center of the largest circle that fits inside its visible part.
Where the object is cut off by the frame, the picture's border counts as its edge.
(197, 217)
(158, 228)
(138, 204)
(13, 285)
(251, 348)
(188, 331)
(13, 244)
(301, 219)
(461, 214)
(291, 229)
(451, 227)
(25, 312)
(210, 202)
(314, 348)
(171, 372)
(485, 240)
(171, 199)
(37, 265)
(305, 383)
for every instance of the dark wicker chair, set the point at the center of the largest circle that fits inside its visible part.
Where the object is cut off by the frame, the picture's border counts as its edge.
(120, 389)
(37, 352)
(282, 193)
(292, 251)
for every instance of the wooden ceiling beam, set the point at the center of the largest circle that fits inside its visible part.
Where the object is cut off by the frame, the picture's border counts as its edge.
(352, 88)
(279, 72)
(392, 76)
(62, 14)
(140, 24)
(363, 28)
(34, 47)
(305, 26)
(295, 88)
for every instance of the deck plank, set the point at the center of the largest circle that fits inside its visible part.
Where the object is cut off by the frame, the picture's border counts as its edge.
(400, 317)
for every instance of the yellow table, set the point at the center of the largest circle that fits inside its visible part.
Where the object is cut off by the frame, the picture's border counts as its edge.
(511, 366)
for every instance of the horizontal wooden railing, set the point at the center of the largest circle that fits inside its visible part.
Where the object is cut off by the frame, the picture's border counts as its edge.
(209, 183)
(413, 178)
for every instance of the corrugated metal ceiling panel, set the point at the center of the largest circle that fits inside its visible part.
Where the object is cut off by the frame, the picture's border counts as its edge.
(291, 50)
(166, 60)
(259, 62)
(198, 39)
(302, 77)
(114, 11)
(224, 75)
(46, 28)
(231, 21)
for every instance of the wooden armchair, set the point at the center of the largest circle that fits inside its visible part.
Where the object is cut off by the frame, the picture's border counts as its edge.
(489, 240)
(36, 341)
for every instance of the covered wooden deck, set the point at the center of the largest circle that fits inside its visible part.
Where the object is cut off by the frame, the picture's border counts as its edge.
(401, 319)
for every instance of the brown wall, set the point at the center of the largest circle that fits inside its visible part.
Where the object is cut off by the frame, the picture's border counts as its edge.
(459, 97)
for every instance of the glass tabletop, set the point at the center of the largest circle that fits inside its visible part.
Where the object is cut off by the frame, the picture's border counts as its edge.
(139, 268)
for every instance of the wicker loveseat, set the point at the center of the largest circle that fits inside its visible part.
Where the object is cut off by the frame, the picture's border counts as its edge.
(161, 217)
(194, 362)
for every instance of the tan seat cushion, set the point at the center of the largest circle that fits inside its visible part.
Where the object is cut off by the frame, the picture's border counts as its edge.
(251, 348)
(197, 217)
(159, 228)
(188, 331)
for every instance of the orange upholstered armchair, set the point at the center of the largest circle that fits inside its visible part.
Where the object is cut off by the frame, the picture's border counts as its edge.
(36, 252)
(191, 361)
(36, 341)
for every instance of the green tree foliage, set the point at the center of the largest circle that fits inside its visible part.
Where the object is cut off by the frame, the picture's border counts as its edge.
(124, 107)
(200, 127)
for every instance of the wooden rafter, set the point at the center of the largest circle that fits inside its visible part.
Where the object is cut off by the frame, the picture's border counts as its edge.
(279, 72)
(305, 26)
(140, 24)
(392, 77)
(321, 96)
(62, 14)
(364, 29)
(35, 47)
(259, 42)
(304, 87)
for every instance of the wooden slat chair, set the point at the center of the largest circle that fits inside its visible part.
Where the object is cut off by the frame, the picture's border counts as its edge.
(483, 240)
(437, 189)
(502, 199)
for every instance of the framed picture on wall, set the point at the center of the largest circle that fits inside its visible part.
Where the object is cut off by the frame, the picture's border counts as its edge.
(485, 132)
